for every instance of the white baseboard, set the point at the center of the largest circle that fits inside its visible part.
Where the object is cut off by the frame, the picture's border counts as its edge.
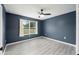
(42, 37)
(21, 41)
(16, 42)
(61, 42)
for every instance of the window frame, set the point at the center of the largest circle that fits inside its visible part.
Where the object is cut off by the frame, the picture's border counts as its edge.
(20, 28)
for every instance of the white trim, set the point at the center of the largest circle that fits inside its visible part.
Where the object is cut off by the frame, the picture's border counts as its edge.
(1, 26)
(20, 41)
(77, 29)
(17, 42)
(61, 42)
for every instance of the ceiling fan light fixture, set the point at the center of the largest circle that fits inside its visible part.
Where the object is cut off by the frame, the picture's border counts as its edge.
(42, 15)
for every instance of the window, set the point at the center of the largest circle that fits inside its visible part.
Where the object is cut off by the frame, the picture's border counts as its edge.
(24, 27)
(28, 27)
(33, 27)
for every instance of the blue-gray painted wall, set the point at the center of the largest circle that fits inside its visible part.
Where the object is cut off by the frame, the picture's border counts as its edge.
(12, 28)
(55, 27)
(60, 26)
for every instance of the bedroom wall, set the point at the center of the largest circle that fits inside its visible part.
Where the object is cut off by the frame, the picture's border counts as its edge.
(62, 27)
(12, 28)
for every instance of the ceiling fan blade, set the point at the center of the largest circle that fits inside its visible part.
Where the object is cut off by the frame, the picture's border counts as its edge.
(47, 14)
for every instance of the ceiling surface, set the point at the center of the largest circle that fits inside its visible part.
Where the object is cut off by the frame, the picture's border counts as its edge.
(32, 10)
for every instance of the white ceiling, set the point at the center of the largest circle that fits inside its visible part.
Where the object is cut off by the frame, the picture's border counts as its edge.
(31, 10)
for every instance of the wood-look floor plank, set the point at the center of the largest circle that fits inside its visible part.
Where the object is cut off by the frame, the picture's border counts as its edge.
(40, 46)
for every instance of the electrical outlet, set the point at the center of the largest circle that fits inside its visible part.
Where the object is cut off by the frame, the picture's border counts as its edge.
(64, 37)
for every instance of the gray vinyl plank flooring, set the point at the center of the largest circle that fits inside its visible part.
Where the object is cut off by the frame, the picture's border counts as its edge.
(40, 46)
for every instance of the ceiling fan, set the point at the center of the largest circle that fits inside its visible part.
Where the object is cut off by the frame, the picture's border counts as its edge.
(42, 14)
